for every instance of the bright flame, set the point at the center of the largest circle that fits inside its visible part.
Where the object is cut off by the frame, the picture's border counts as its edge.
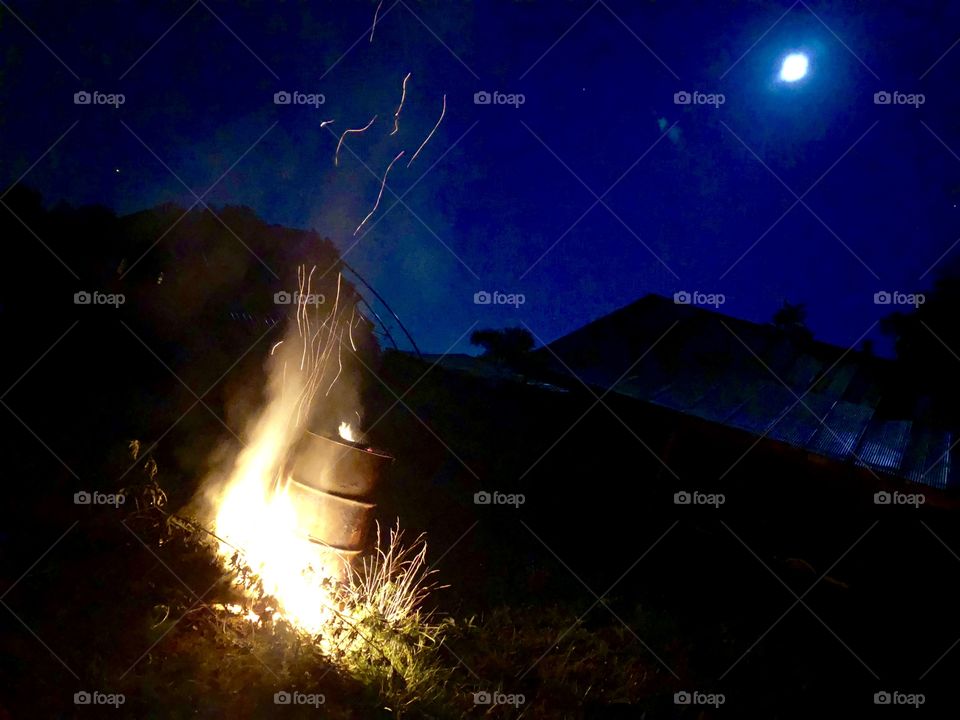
(261, 527)
(346, 432)
(235, 609)
(257, 517)
(262, 523)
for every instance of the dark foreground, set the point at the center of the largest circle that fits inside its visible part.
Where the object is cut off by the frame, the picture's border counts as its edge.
(595, 597)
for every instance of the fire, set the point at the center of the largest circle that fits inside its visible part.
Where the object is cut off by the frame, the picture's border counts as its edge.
(262, 524)
(263, 527)
(346, 432)
(235, 609)
(255, 516)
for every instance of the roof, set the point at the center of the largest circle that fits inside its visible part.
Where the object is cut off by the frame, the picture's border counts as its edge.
(811, 395)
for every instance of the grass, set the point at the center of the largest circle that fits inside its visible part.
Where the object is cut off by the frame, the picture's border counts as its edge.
(384, 637)
(403, 658)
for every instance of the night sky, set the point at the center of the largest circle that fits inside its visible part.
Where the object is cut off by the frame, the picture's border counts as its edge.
(598, 189)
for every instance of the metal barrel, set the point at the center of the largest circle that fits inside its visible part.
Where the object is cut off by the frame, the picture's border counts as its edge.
(332, 484)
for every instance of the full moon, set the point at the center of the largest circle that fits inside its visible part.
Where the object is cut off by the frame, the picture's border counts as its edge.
(794, 67)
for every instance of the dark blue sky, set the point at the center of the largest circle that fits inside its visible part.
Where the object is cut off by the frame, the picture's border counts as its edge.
(501, 206)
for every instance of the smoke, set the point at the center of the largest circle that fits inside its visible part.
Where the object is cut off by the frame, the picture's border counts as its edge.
(311, 384)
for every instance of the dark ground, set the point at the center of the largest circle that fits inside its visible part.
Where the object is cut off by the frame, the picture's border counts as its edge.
(598, 500)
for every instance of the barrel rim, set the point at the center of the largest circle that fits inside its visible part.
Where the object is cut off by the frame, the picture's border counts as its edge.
(365, 449)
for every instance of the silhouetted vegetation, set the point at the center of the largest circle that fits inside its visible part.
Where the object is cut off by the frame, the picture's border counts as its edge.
(510, 347)
(927, 343)
(792, 320)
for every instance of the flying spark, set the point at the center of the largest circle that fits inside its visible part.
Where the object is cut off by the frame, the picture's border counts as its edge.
(374, 26)
(339, 362)
(336, 155)
(403, 96)
(350, 328)
(325, 123)
(380, 195)
(317, 350)
(442, 113)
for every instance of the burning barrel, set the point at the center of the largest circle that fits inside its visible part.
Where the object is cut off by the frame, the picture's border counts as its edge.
(332, 485)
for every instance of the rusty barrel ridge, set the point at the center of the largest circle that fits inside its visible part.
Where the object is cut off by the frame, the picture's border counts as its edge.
(333, 484)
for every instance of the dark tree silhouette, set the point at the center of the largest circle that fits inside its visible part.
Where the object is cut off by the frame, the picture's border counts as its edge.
(510, 347)
(792, 320)
(504, 345)
(927, 344)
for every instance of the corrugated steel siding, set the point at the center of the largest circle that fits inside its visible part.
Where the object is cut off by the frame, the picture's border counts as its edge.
(703, 369)
(884, 445)
(928, 458)
(768, 402)
(721, 401)
(685, 392)
(798, 426)
(841, 430)
(804, 371)
(848, 431)
(938, 471)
